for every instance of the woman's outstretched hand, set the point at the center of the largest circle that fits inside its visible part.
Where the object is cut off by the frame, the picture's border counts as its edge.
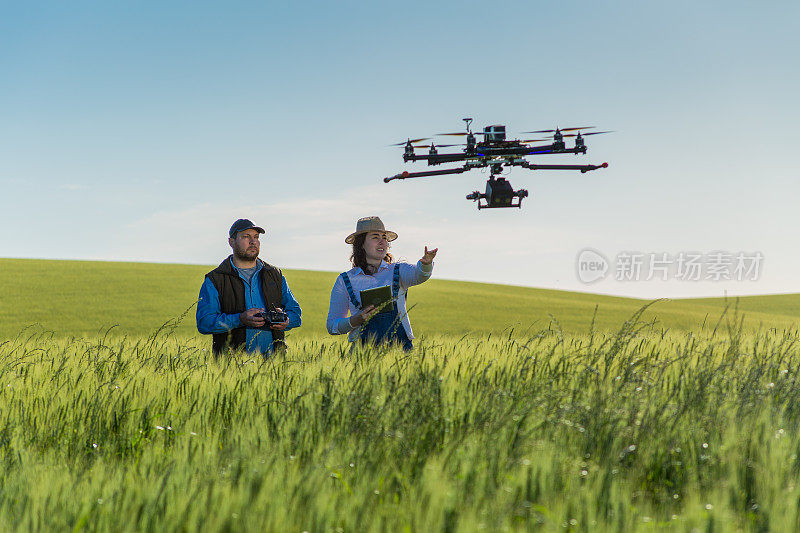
(427, 257)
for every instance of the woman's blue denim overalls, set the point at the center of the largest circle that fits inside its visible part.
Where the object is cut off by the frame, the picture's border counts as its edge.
(384, 327)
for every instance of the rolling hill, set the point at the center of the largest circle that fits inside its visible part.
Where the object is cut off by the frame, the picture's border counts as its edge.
(83, 298)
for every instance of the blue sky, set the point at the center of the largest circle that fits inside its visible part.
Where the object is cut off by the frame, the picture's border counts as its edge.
(141, 130)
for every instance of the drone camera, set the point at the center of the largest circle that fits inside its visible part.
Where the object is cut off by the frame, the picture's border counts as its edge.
(499, 193)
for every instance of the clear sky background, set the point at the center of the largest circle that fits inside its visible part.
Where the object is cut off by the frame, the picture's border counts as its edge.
(140, 130)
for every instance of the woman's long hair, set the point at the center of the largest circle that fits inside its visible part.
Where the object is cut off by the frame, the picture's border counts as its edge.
(359, 255)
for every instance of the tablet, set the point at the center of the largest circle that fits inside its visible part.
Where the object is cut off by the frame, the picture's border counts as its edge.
(379, 297)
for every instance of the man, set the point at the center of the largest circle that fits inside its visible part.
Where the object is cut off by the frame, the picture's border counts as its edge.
(235, 296)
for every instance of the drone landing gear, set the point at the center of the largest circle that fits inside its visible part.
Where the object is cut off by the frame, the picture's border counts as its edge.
(499, 194)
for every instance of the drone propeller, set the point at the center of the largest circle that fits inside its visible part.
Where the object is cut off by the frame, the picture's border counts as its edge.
(581, 128)
(535, 140)
(559, 129)
(464, 133)
(412, 141)
(585, 134)
(437, 145)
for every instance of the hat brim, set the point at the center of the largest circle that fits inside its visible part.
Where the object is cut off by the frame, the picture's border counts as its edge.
(390, 235)
(257, 228)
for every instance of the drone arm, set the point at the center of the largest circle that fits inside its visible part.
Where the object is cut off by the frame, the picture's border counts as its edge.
(407, 175)
(582, 168)
(437, 159)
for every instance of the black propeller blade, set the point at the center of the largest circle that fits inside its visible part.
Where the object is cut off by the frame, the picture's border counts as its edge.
(463, 133)
(412, 141)
(585, 134)
(560, 129)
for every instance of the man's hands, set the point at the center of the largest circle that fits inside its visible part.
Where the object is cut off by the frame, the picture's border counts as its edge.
(250, 319)
(427, 257)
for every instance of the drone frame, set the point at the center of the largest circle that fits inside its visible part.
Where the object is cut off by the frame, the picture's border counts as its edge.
(496, 152)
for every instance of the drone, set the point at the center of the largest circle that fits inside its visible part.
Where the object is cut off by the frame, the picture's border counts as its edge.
(494, 151)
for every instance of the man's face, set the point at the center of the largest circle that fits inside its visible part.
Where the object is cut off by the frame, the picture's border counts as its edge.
(376, 245)
(245, 244)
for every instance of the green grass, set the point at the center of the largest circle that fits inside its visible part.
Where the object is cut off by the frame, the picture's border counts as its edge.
(82, 298)
(519, 409)
(626, 431)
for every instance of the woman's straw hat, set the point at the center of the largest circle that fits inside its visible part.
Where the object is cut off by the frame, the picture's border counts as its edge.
(367, 224)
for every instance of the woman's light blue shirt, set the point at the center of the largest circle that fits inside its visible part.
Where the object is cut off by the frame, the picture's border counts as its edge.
(340, 307)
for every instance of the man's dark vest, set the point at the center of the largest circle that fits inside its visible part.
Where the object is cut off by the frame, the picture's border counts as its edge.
(231, 300)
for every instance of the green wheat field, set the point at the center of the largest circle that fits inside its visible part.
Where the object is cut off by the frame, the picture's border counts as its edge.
(519, 409)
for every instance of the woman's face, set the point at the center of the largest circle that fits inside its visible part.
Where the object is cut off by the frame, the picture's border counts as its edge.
(376, 245)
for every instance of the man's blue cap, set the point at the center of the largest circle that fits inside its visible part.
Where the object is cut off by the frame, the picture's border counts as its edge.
(243, 224)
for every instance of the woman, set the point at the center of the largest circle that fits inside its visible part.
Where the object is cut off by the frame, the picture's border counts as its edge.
(373, 267)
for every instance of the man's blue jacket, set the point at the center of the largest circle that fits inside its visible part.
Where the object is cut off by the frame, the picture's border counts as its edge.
(211, 319)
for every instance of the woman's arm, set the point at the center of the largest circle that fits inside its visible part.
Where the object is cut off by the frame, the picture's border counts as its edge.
(338, 322)
(339, 308)
(414, 275)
